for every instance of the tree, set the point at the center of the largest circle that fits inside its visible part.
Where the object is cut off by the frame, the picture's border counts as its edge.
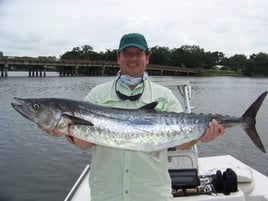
(108, 55)
(238, 62)
(257, 64)
(160, 55)
(193, 56)
(83, 52)
(74, 54)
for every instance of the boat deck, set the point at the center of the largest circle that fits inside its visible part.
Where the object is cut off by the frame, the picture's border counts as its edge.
(255, 190)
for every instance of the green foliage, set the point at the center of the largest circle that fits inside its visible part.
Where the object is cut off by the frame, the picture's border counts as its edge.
(160, 55)
(257, 65)
(86, 53)
(237, 62)
(186, 56)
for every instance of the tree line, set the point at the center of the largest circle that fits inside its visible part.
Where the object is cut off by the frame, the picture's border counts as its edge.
(186, 56)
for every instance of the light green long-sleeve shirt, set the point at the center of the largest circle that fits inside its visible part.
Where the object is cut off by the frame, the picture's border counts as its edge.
(120, 175)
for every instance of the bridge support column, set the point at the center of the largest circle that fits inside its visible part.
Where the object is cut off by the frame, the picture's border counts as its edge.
(40, 72)
(45, 70)
(76, 70)
(103, 70)
(30, 72)
(36, 71)
(4, 70)
(68, 71)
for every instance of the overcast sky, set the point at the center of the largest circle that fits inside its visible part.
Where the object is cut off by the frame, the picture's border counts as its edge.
(52, 27)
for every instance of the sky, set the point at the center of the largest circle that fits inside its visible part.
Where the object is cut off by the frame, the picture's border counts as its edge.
(53, 27)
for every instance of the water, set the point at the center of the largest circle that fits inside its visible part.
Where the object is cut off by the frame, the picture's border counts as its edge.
(35, 166)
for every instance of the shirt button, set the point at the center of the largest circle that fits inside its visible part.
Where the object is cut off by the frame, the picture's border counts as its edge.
(126, 171)
(126, 192)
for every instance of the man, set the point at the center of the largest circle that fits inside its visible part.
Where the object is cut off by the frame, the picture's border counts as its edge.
(119, 175)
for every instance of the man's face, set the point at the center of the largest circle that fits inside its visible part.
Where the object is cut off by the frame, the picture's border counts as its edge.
(132, 61)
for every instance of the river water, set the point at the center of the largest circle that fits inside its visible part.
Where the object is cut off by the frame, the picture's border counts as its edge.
(35, 166)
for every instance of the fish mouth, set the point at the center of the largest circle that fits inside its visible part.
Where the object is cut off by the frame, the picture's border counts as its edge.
(21, 107)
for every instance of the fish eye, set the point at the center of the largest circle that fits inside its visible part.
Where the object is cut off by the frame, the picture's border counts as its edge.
(36, 106)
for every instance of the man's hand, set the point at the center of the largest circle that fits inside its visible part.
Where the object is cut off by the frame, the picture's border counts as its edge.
(79, 143)
(55, 132)
(213, 131)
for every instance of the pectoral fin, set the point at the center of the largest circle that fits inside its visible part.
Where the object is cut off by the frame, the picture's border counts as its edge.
(149, 106)
(78, 121)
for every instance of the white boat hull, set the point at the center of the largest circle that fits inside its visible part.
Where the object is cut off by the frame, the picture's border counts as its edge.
(256, 190)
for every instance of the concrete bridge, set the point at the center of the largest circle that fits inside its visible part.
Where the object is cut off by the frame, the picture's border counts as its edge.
(37, 67)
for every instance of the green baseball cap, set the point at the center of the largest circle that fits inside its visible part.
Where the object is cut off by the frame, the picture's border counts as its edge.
(133, 40)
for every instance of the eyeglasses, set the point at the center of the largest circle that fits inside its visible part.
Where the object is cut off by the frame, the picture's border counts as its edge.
(125, 97)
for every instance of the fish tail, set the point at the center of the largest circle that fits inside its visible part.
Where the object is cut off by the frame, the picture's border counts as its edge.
(250, 120)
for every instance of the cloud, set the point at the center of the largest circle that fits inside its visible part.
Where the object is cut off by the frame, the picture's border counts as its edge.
(37, 27)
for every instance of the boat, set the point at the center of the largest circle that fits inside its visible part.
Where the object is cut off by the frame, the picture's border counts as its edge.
(196, 178)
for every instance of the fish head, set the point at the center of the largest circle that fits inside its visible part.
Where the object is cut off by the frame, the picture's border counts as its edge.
(43, 112)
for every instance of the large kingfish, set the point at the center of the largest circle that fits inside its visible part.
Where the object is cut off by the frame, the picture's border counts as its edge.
(143, 129)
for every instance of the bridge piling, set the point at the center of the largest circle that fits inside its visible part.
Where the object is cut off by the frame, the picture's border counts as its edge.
(4, 70)
(36, 71)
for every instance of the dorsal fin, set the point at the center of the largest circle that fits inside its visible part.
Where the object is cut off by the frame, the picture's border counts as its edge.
(149, 106)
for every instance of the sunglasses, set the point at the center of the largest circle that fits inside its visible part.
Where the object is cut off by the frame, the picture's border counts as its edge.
(125, 97)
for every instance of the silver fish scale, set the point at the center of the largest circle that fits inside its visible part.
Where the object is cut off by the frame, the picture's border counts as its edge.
(146, 132)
